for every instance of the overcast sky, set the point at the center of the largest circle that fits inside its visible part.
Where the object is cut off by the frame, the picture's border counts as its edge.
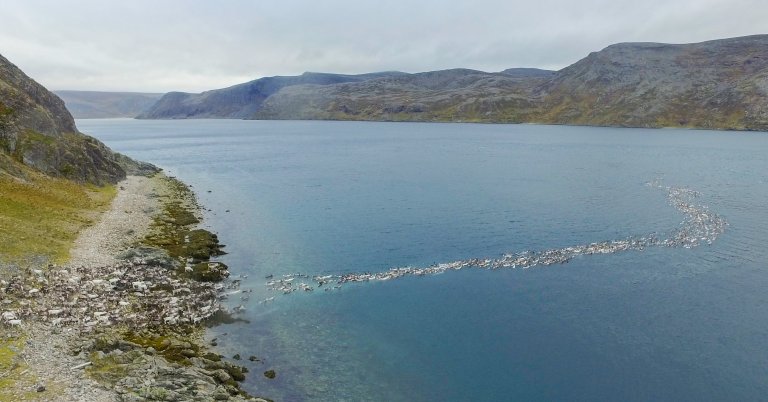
(190, 45)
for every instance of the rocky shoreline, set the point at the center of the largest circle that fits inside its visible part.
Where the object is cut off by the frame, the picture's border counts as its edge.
(123, 320)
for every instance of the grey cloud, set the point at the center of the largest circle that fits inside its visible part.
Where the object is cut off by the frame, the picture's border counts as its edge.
(159, 46)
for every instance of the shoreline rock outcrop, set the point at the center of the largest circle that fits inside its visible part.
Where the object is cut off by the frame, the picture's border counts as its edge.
(132, 314)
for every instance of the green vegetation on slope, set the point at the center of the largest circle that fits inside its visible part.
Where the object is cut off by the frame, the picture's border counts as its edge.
(40, 216)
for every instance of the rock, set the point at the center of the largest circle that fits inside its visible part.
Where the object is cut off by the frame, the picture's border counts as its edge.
(236, 373)
(188, 353)
(270, 374)
(40, 388)
(198, 362)
(36, 127)
(221, 376)
(148, 255)
(221, 395)
(253, 358)
(150, 351)
(236, 357)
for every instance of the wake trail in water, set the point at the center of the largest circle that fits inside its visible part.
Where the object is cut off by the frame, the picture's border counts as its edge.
(699, 226)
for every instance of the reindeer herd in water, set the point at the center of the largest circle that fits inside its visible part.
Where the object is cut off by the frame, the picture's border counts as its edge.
(699, 226)
(139, 294)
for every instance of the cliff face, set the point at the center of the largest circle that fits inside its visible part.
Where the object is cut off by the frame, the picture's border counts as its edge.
(37, 131)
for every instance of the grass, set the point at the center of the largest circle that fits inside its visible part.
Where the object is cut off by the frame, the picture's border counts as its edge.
(17, 383)
(41, 216)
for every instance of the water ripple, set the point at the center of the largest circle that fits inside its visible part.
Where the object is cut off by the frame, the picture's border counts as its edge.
(699, 226)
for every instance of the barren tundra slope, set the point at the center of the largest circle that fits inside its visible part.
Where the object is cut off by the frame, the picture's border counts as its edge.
(720, 84)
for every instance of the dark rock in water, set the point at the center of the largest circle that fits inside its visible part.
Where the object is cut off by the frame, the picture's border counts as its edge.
(236, 357)
(270, 374)
(253, 358)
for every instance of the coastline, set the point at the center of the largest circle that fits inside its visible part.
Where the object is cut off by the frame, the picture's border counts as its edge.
(123, 319)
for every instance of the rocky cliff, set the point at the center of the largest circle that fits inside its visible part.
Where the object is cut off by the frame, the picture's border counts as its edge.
(721, 84)
(37, 131)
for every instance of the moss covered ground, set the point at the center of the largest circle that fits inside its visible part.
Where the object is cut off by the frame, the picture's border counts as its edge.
(41, 216)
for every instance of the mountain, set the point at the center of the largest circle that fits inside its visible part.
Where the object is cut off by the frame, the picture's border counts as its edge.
(446, 95)
(721, 84)
(243, 100)
(98, 105)
(37, 132)
(528, 72)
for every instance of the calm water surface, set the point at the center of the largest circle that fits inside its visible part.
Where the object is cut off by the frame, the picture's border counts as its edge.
(333, 197)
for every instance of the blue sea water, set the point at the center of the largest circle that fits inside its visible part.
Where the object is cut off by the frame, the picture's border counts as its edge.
(336, 197)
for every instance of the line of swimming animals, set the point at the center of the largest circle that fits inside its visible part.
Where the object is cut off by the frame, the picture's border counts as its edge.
(699, 226)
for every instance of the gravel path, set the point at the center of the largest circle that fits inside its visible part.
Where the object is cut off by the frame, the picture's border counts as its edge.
(123, 224)
(96, 288)
(48, 351)
(49, 358)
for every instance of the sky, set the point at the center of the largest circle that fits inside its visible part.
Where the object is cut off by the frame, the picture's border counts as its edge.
(196, 45)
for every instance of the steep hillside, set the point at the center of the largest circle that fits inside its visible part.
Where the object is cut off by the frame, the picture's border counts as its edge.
(721, 84)
(37, 131)
(99, 105)
(239, 101)
(716, 84)
(447, 95)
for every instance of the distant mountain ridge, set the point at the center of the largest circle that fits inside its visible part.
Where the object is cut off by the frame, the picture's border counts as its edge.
(243, 100)
(720, 84)
(98, 104)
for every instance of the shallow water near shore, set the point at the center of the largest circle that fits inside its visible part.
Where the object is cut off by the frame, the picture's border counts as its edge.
(329, 198)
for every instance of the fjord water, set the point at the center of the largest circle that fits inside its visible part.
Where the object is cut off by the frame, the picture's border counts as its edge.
(334, 197)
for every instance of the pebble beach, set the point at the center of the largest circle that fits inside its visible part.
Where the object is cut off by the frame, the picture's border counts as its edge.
(119, 321)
